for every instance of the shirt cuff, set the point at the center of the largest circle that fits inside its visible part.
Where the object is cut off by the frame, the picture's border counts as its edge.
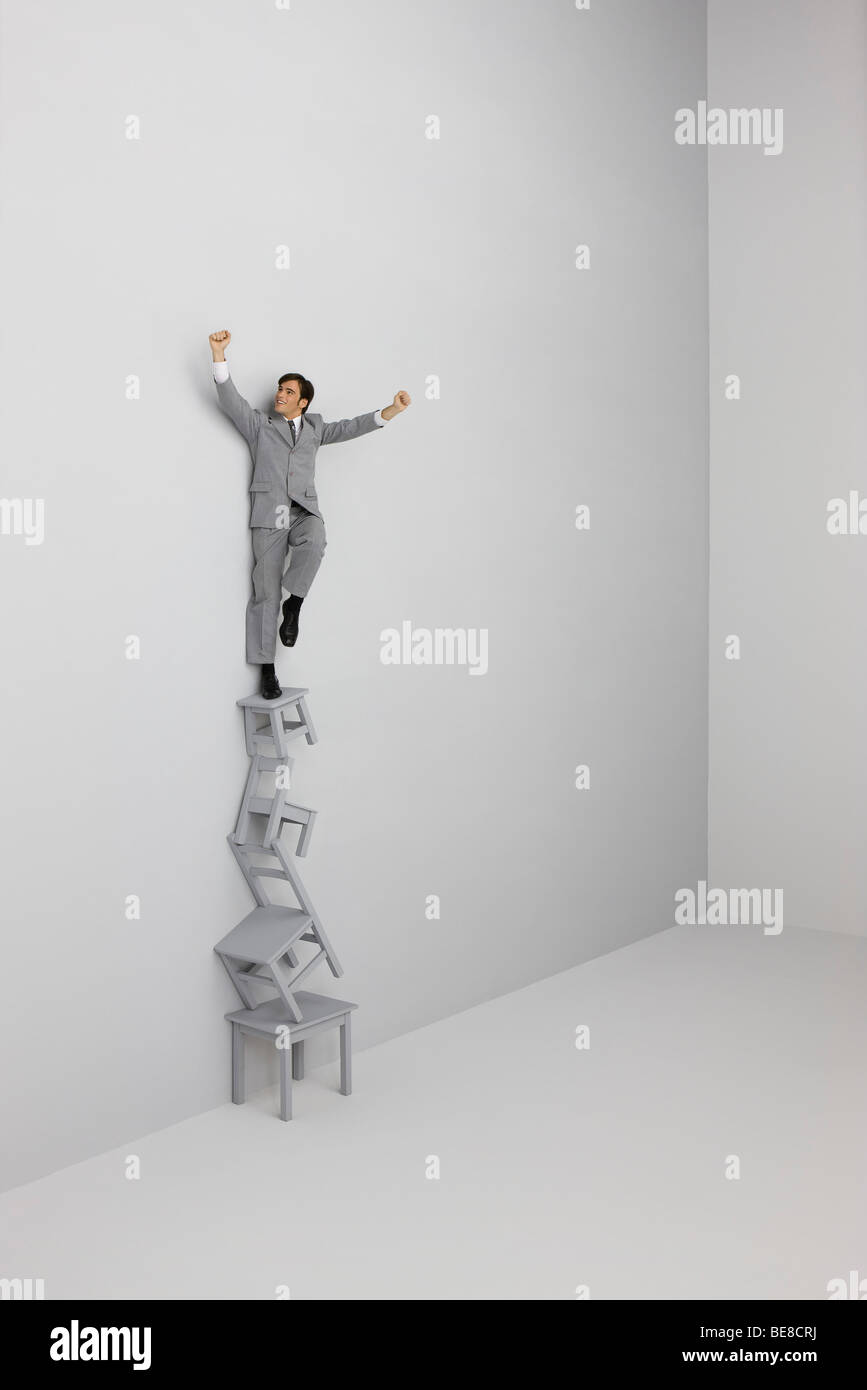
(378, 420)
(221, 371)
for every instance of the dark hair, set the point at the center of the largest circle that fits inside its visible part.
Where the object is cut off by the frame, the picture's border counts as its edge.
(305, 387)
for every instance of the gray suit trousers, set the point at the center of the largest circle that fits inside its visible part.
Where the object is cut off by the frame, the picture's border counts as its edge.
(304, 540)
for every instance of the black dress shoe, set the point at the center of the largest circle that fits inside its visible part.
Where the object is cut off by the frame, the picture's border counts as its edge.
(289, 625)
(270, 688)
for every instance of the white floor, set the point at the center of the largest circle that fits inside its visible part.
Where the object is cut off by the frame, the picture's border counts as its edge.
(559, 1167)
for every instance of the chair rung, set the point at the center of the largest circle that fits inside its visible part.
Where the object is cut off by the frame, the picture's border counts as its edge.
(261, 806)
(291, 730)
(309, 966)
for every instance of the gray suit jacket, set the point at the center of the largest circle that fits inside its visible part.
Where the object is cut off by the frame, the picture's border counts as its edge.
(282, 470)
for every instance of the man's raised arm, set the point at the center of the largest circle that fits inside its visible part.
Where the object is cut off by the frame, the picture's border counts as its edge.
(337, 431)
(239, 411)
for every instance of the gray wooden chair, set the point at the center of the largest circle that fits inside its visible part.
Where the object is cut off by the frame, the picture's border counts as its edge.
(288, 1035)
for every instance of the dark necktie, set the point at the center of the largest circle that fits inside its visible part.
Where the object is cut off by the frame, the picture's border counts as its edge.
(292, 428)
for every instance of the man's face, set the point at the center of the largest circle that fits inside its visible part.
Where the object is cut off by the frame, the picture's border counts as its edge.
(288, 402)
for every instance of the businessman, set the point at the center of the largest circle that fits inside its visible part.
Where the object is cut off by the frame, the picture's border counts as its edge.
(285, 517)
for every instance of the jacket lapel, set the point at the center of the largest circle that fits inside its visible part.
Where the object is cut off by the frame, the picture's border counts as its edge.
(282, 425)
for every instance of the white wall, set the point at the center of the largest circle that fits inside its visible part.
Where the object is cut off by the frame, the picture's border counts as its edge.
(409, 258)
(788, 729)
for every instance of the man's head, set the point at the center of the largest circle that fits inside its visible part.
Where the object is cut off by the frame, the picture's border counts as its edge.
(294, 394)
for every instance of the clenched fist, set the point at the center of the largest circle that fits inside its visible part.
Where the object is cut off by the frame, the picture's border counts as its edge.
(219, 342)
(400, 402)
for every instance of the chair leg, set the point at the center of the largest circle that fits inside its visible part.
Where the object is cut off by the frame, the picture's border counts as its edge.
(285, 1083)
(238, 1068)
(310, 733)
(346, 1057)
(298, 1061)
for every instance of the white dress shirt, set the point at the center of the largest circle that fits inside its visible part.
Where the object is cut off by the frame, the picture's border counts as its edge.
(221, 373)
